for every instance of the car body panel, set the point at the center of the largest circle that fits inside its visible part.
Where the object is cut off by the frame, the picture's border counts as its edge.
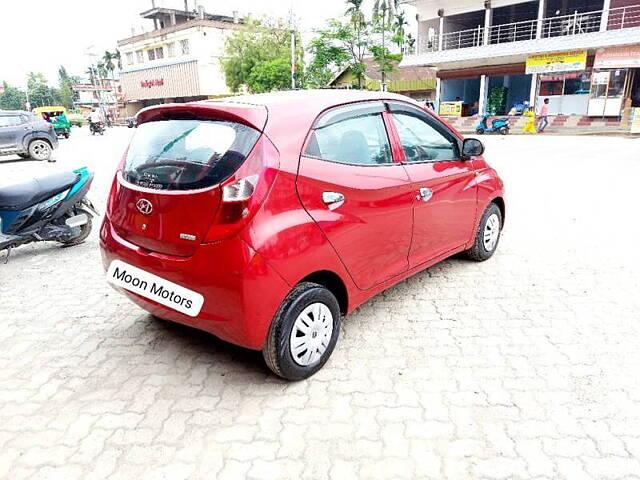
(16, 138)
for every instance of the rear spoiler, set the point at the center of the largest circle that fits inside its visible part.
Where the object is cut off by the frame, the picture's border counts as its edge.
(254, 116)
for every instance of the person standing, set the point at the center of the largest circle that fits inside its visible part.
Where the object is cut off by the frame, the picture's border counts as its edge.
(530, 126)
(544, 113)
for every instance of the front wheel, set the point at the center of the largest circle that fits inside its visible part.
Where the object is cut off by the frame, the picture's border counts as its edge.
(504, 130)
(303, 333)
(480, 131)
(488, 234)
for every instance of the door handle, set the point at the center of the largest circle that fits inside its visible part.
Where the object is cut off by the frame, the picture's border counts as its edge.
(425, 194)
(332, 199)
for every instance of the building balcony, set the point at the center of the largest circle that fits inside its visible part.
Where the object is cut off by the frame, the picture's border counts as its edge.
(507, 43)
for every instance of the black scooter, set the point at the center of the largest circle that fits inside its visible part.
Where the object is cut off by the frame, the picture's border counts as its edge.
(96, 127)
(51, 208)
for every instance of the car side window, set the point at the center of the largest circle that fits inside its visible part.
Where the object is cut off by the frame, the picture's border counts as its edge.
(10, 121)
(421, 141)
(359, 140)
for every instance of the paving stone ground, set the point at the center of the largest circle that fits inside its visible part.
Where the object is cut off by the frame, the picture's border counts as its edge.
(525, 366)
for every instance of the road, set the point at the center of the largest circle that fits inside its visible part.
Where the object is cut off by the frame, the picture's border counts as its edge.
(525, 366)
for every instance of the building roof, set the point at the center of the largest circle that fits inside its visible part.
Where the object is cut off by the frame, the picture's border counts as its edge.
(398, 73)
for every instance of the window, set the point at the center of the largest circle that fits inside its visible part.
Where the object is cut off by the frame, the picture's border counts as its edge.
(421, 142)
(10, 121)
(184, 47)
(551, 85)
(171, 49)
(360, 140)
(159, 53)
(616, 83)
(129, 58)
(140, 56)
(577, 83)
(187, 154)
(151, 53)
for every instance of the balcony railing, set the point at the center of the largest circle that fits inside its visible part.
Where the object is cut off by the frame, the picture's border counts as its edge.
(575, 24)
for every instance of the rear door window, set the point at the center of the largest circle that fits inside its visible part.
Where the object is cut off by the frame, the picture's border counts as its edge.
(187, 154)
(354, 135)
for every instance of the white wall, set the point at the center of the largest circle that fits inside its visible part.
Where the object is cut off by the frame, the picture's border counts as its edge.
(429, 8)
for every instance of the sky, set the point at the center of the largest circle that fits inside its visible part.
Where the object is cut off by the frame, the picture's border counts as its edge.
(60, 32)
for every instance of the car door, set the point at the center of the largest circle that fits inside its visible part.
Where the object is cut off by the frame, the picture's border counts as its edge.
(9, 129)
(444, 184)
(359, 196)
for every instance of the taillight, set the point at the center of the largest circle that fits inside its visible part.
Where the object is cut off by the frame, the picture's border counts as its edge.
(244, 192)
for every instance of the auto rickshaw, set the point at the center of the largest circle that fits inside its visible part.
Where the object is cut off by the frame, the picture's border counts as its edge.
(56, 116)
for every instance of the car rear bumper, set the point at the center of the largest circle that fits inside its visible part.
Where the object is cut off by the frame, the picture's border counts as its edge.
(241, 291)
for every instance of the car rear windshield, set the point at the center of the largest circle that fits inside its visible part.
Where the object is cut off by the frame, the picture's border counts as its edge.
(187, 154)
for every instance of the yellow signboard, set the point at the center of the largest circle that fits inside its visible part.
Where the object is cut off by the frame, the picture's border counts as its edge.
(450, 109)
(575, 60)
(635, 122)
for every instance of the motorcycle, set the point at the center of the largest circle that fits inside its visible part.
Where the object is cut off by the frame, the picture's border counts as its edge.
(500, 125)
(52, 208)
(97, 127)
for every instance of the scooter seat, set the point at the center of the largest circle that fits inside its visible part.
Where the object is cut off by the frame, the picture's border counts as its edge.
(27, 194)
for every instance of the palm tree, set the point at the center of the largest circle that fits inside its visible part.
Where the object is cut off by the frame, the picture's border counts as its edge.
(383, 12)
(359, 25)
(107, 62)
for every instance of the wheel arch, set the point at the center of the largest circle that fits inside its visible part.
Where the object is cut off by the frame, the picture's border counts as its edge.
(44, 139)
(332, 282)
(499, 201)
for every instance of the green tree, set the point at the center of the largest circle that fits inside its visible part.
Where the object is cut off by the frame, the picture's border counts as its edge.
(12, 98)
(66, 92)
(327, 59)
(385, 25)
(40, 93)
(257, 57)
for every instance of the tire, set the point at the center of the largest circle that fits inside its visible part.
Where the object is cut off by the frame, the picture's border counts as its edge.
(479, 131)
(504, 130)
(277, 352)
(67, 135)
(40, 150)
(85, 230)
(481, 250)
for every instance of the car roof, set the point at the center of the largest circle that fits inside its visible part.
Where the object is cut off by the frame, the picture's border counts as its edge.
(14, 112)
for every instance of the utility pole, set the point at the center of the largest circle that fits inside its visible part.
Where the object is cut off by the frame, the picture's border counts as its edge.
(293, 50)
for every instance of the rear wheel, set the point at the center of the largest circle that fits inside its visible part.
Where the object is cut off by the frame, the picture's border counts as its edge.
(303, 333)
(40, 150)
(488, 235)
(504, 130)
(83, 231)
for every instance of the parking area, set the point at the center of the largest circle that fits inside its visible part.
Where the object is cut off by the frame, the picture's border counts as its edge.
(525, 366)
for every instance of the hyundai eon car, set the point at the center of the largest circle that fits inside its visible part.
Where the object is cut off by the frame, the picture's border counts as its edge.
(263, 219)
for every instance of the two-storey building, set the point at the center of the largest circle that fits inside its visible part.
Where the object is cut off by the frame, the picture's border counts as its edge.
(177, 61)
(584, 55)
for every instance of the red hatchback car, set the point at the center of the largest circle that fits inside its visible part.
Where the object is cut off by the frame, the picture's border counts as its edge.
(262, 219)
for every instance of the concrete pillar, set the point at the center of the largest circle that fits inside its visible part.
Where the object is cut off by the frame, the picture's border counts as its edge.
(534, 89)
(440, 32)
(604, 21)
(488, 18)
(172, 18)
(482, 101)
(542, 5)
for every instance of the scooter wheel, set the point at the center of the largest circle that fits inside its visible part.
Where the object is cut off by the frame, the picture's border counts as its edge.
(504, 130)
(479, 131)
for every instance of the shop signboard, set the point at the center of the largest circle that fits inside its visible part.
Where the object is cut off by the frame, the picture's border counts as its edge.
(450, 109)
(635, 121)
(618, 57)
(572, 61)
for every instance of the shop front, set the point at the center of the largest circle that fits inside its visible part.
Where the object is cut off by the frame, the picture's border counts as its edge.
(615, 88)
(563, 78)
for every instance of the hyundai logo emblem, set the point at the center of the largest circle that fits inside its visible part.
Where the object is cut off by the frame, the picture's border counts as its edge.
(144, 206)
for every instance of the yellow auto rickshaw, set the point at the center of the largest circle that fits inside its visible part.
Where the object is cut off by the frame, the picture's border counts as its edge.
(56, 116)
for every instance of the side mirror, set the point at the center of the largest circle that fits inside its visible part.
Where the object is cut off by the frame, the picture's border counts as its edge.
(472, 147)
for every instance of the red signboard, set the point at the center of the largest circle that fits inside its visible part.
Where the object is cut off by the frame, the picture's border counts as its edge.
(618, 57)
(156, 82)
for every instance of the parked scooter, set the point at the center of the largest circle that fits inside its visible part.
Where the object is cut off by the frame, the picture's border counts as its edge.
(97, 127)
(52, 208)
(499, 125)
